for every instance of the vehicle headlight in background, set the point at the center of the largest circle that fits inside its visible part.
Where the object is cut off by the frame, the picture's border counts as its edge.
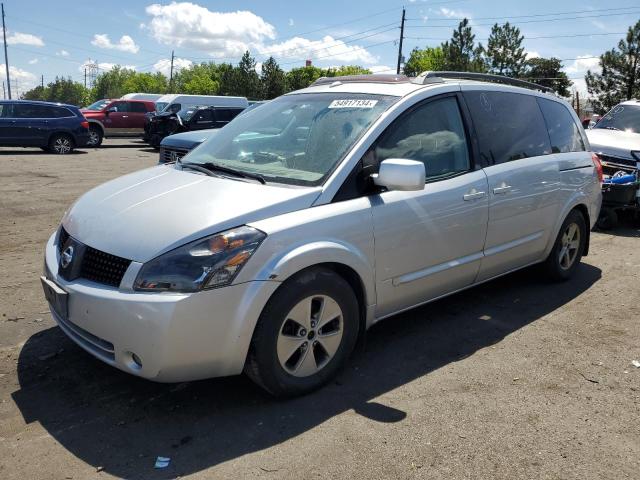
(210, 262)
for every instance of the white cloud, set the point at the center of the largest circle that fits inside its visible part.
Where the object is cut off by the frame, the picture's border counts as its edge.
(188, 25)
(21, 80)
(329, 47)
(17, 38)
(532, 54)
(62, 53)
(164, 66)
(33, 61)
(125, 44)
(582, 64)
(291, 22)
(382, 69)
(102, 66)
(452, 13)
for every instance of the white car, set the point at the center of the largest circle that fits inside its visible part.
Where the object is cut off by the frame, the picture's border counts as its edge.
(272, 252)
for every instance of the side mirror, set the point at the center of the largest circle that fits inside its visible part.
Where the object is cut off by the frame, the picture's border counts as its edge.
(111, 110)
(400, 174)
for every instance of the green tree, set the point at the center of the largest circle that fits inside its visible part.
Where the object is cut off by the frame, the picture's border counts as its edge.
(619, 77)
(202, 79)
(505, 54)
(145, 82)
(38, 93)
(273, 79)
(421, 60)
(63, 90)
(548, 73)
(302, 77)
(461, 53)
(111, 84)
(346, 70)
(247, 82)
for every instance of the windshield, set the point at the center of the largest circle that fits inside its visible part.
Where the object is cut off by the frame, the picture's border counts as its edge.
(99, 105)
(622, 117)
(161, 106)
(295, 139)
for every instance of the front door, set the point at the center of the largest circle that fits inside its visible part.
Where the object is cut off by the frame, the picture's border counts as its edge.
(429, 242)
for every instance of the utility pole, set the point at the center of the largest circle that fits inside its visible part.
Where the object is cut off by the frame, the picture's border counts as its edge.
(171, 75)
(42, 81)
(85, 77)
(400, 45)
(578, 103)
(6, 59)
(4, 93)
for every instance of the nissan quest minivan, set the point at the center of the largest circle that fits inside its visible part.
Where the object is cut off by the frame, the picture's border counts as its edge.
(271, 248)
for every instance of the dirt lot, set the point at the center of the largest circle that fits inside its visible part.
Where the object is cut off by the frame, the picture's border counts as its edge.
(516, 379)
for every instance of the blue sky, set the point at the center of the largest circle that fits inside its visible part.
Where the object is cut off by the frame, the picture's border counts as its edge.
(50, 38)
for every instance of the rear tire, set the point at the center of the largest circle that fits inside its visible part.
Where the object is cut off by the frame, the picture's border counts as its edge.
(61, 144)
(95, 137)
(608, 219)
(568, 247)
(290, 357)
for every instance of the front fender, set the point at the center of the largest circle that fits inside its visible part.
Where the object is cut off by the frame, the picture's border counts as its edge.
(299, 257)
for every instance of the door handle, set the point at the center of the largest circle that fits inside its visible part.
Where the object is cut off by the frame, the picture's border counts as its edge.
(125, 116)
(502, 189)
(473, 195)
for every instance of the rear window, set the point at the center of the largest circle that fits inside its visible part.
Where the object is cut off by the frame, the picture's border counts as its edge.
(509, 126)
(564, 133)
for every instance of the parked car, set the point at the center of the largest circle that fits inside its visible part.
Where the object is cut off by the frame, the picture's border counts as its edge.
(54, 127)
(273, 253)
(174, 147)
(188, 119)
(152, 97)
(616, 137)
(174, 103)
(116, 118)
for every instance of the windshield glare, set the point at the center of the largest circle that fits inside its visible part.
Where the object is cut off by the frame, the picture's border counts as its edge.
(99, 105)
(622, 117)
(296, 139)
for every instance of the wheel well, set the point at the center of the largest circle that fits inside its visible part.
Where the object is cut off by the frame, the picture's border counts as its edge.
(354, 280)
(94, 123)
(585, 214)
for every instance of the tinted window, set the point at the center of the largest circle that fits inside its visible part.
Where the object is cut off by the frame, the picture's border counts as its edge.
(227, 114)
(204, 116)
(62, 112)
(121, 106)
(27, 110)
(509, 126)
(563, 130)
(622, 117)
(137, 107)
(6, 110)
(433, 134)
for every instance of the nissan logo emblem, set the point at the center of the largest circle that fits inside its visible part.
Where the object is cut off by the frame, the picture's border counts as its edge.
(66, 257)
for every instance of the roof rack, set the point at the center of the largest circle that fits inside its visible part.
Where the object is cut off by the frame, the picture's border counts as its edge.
(436, 77)
(371, 78)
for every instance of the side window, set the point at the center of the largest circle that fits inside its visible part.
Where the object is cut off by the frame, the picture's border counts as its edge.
(62, 112)
(432, 133)
(204, 116)
(563, 130)
(227, 114)
(509, 126)
(120, 106)
(27, 110)
(137, 107)
(6, 110)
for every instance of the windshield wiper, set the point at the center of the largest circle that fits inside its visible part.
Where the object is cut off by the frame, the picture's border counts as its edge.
(196, 167)
(214, 167)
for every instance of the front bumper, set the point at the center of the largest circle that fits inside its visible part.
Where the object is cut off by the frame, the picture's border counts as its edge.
(177, 337)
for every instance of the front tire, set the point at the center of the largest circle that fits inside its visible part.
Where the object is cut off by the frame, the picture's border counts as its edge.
(61, 144)
(95, 137)
(305, 333)
(568, 248)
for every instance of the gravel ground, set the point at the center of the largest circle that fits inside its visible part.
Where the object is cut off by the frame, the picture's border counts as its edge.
(516, 379)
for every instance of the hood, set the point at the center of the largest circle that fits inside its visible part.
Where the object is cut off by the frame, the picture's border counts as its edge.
(188, 140)
(92, 113)
(613, 142)
(149, 212)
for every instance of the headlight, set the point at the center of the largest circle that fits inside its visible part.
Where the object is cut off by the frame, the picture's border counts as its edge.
(206, 263)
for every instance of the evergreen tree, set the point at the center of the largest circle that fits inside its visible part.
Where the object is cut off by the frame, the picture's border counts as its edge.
(273, 79)
(619, 78)
(461, 53)
(548, 73)
(247, 82)
(505, 54)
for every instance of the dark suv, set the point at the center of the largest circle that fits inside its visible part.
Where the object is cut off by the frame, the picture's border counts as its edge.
(53, 127)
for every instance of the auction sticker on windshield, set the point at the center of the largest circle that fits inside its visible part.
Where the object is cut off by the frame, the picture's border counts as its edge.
(353, 103)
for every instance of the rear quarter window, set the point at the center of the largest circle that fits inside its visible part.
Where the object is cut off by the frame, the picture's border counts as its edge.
(509, 126)
(564, 133)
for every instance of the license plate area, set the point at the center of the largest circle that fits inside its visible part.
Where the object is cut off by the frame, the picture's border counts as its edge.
(56, 296)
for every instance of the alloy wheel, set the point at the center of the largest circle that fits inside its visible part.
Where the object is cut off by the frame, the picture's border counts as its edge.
(93, 138)
(570, 246)
(62, 145)
(310, 335)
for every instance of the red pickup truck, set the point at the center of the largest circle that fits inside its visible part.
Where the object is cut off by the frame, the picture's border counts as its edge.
(116, 118)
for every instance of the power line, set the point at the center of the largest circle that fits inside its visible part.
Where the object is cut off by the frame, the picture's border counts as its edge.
(526, 37)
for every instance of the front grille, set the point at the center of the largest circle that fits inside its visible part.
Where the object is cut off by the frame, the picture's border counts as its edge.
(171, 154)
(95, 265)
(103, 267)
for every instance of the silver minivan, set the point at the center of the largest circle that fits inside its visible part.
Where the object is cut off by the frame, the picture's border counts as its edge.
(273, 247)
